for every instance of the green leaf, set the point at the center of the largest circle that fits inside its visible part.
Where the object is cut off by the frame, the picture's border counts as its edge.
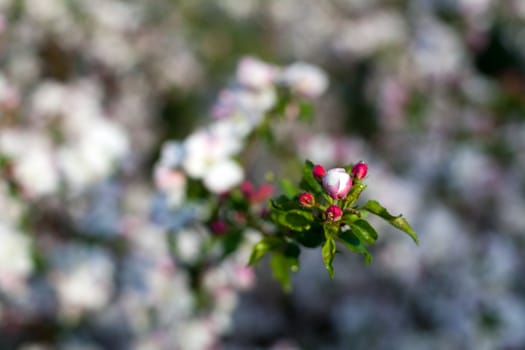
(261, 248)
(349, 218)
(291, 252)
(354, 194)
(354, 244)
(230, 242)
(328, 253)
(283, 203)
(289, 189)
(397, 221)
(306, 111)
(281, 270)
(309, 182)
(364, 231)
(297, 220)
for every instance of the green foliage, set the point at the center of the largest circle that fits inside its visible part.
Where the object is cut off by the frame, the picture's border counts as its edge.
(299, 227)
(364, 231)
(397, 221)
(329, 249)
(309, 183)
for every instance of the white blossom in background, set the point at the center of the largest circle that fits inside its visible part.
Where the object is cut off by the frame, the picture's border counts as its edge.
(33, 161)
(255, 74)
(88, 149)
(171, 182)
(36, 172)
(172, 154)
(11, 209)
(15, 258)
(9, 94)
(223, 176)
(195, 335)
(83, 278)
(305, 79)
(208, 153)
(46, 11)
(472, 172)
(368, 34)
(239, 9)
(476, 7)
(207, 147)
(48, 101)
(189, 244)
(243, 110)
(436, 50)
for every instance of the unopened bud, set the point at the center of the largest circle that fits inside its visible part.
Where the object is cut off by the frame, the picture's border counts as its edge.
(306, 199)
(318, 172)
(333, 213)
(219, 227)
(337, 182)
(360, 170)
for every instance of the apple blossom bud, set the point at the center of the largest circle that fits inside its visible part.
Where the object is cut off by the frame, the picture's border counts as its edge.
(337, 182)
(359, 170)
(247, 188)
(264, 192)
(219, 227)
(306, 199)
(318, 172)
(333, 213)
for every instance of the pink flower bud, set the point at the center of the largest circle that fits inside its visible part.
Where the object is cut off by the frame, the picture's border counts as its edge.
(247, 188)
(333, 213)
(359, 170)
(264, 192)
(219, 227)
(306, 199)
(337, 183)
(318, 172)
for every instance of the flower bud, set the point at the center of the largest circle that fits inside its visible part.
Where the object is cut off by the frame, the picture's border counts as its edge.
(359, 170)
(219, 227)
(318, 172)
(337, 183)
(333, 213)
(264, 192)
(246, 188)
(306, 199)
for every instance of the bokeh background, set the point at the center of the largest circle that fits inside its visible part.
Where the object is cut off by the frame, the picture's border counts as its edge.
(431, 93)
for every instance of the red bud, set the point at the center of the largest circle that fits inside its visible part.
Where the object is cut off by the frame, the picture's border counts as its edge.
(306, 199)
(318, 172)
(333, 213)
(360, 170)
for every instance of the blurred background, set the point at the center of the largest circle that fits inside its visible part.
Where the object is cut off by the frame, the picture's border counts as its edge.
(431, 93)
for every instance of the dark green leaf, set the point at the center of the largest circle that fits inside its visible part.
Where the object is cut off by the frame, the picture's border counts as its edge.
(311, 238)
(397, 221)
(354, 244)
(309, 182)
(364, 231)
(328, 252)
(292, 250)
(230, 242)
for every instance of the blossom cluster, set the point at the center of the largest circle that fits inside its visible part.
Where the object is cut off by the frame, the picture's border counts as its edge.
(209, 153)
